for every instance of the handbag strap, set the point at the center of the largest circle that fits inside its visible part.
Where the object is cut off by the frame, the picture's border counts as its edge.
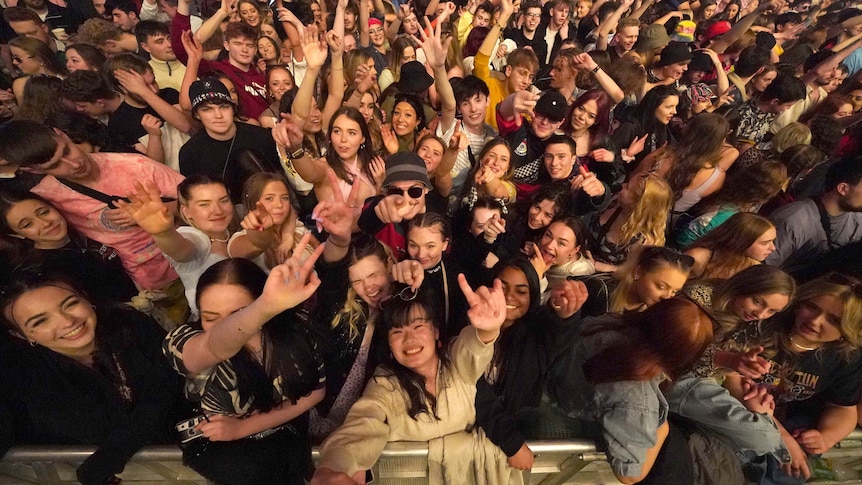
(91, 193)
(824, 221)
(109, 200)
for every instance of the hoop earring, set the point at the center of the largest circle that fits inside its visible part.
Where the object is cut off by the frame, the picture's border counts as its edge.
(31, 342)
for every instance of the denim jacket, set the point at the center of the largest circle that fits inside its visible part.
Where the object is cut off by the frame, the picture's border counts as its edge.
(629, 412)
(716, 411)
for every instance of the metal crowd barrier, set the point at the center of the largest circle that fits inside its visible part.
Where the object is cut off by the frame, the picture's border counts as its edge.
(403, 463)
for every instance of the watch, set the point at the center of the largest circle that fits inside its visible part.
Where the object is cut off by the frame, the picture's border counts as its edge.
(297, 154)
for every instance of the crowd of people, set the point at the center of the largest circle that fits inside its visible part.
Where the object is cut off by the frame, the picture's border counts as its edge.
(632, 221)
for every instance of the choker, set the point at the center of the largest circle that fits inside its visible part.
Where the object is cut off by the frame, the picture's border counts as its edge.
(800, 347)
(223, 241)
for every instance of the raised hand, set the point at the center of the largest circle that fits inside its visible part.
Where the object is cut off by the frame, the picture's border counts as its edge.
(588, 182)
(409, 272)
(404, 11)
(523, 104)
(459, 140)
(335, 216)
(435, 49)
(258, 219)
(288, 133)
(145, 206)
(390, 139)
(194, 49)
(378, 171)
(494, 226)
(636, 146)
(507, 9)
(285, 15)
(567, 298)
(334, 42)
(228, 7)
(152, 125)
(365, 78)
(292, 282)
(487, 308)
(533, 252)
(315, 50)
(393, 208)
(584, 62)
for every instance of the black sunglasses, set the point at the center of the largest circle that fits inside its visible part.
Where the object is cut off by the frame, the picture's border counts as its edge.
(840, 279)
(414, 192)
(671, 255)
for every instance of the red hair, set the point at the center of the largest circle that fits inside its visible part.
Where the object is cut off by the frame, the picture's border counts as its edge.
(668, 337)
(601, 127)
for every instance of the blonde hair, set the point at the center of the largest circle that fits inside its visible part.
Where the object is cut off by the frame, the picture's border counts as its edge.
(851, 317)
(646, 259)
(793, 134)
(648, 218)
(354, 308)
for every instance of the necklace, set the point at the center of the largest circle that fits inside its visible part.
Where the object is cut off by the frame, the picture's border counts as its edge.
(800, 347)
(223, 241)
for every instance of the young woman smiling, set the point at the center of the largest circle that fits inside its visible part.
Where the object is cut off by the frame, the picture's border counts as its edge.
(77, 372)
(424, 392)
(47, 242)
(589, 125)
(207, 209)
(531, 338)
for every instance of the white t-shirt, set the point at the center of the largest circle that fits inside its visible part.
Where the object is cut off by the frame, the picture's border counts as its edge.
(191, 271)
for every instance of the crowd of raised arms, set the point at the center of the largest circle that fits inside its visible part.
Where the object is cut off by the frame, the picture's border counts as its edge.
(254, 228)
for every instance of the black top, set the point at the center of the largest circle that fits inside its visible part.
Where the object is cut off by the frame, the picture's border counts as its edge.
(94, 266)
(340, 347)
(51, 399)
(228, 159)
(523, 353)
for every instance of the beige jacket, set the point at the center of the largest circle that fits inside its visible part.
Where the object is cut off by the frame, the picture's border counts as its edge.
(380, 416)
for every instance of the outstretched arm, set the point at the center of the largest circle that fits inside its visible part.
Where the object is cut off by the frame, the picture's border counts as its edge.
(288, 285)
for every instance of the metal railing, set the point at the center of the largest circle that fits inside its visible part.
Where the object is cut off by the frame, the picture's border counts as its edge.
(401, 463)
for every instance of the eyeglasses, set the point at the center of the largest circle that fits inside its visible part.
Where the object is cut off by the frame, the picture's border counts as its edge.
(414, 192)
(840, 279)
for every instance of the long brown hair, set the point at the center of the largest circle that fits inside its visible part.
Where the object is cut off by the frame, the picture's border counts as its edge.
(668, 337)
(701, 142)
(728, 243)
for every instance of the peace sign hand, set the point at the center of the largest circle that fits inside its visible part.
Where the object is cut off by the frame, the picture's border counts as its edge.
(487, 308)
(336, 216)
(291, 283)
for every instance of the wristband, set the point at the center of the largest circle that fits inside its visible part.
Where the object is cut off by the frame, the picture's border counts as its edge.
(595, 69)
